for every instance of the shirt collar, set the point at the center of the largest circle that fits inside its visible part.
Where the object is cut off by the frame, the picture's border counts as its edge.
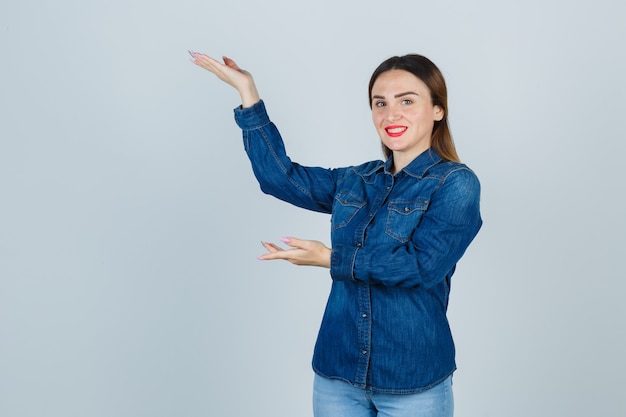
(420, 165)
(417, 168)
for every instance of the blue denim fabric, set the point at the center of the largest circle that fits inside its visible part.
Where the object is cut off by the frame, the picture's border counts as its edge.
(396, 240)
(333, 398)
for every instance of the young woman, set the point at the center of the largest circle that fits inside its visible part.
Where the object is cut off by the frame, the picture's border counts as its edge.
(398, 228)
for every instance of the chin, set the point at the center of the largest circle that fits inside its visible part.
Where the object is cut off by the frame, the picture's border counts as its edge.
(395, 146)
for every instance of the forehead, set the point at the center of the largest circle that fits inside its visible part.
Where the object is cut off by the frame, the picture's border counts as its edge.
(397, 80)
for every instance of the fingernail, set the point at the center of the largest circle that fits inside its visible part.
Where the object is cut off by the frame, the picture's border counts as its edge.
(285, 239)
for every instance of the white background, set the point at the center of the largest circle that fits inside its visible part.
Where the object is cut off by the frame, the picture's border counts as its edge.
(130, 221)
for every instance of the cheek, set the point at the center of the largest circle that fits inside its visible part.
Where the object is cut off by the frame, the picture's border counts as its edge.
(377, 118)
(421, 117)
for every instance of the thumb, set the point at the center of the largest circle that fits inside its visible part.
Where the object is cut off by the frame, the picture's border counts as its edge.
(230, 63)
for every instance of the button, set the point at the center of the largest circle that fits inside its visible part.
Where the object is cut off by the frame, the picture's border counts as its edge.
(358, 245)
(364, 315)
(364, 352)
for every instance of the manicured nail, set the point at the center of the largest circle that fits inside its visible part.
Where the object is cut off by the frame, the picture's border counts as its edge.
(285, 239)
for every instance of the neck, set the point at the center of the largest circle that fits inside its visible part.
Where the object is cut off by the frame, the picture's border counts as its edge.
(402, 159)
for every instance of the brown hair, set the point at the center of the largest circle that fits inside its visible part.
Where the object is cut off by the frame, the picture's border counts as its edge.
(427, 71)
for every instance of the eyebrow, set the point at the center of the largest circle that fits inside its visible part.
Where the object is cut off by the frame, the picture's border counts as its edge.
(406, 93)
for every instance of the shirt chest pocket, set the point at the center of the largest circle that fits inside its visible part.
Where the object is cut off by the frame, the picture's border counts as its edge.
(403, 217)
(345, 207)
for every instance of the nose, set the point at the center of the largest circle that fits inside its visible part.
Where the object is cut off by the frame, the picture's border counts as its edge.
(393, 113)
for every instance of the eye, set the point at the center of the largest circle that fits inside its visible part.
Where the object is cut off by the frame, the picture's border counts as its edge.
(379, 104)
(407, 101)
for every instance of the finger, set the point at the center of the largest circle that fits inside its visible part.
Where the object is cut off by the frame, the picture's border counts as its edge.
(209, 63)
(271, 247)
(206, 61)
(290, 255)
(229, 62)
(291, 241)
(295, 242)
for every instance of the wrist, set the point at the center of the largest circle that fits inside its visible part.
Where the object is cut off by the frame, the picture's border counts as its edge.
(249, 95)
(326, 257)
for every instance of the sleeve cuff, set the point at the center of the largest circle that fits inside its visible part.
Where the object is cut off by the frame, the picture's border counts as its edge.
(252, 117)
(341, 262)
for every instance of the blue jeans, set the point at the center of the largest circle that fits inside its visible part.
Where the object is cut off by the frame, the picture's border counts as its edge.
(337, 398)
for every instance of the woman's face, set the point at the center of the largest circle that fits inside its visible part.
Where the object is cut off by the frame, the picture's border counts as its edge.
(403, 113)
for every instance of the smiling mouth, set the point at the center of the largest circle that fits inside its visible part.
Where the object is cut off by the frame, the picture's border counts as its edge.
(395, 131)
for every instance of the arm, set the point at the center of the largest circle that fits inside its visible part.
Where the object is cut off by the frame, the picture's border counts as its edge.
(312, 188)
(446, 229)
(306, 187)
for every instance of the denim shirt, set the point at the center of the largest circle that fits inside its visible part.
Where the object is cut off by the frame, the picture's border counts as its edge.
(396, 239)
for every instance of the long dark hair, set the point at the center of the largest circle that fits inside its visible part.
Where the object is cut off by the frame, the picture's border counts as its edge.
(424, 69)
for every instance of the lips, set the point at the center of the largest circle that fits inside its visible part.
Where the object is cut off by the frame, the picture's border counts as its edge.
(395, 131)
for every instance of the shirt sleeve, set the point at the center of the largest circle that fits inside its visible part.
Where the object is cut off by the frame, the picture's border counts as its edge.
(312, 188)
(448, 226)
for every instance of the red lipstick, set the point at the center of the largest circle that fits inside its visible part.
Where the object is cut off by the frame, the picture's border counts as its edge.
(395, 131)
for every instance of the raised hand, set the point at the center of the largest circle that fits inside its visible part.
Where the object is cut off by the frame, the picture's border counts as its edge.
(302, 252)
(230, 73)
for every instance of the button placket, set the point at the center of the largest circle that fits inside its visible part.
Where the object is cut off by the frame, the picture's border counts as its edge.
(365, 332)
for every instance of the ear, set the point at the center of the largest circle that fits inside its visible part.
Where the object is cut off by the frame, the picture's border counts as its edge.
(438, 113)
